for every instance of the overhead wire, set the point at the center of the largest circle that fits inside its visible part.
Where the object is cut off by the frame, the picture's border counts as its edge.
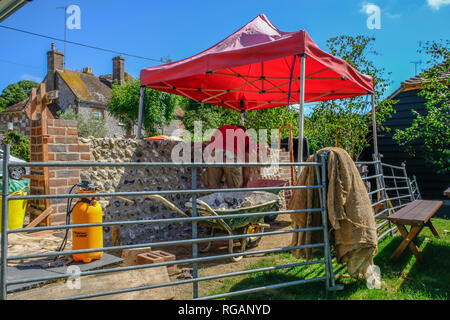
(79, 44)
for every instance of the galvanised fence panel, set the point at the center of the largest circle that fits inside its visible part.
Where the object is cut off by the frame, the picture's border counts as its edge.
(194, 241)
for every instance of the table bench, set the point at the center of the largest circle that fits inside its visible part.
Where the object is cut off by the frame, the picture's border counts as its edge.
(416, 214)
(447, 192)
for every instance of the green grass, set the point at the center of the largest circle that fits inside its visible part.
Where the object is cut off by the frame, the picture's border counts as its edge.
(404, 279)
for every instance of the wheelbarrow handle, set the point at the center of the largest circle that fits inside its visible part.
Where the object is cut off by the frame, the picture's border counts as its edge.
(160, 198)
(214, 213)
(167, 203)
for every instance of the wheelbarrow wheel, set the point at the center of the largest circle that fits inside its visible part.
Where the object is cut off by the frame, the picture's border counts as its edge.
(205, 246)
(253, 241)
(241, 249)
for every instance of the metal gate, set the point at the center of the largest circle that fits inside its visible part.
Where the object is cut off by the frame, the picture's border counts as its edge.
(194, 241)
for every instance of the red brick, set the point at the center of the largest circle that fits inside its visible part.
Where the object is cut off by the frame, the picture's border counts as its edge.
(85, 156)
(57, 148)
(73, 181)
(148, 258)
(51, 156)
(62, 190)
(66, 173)
(156, 257)
(78, 148)
(72, 132)
(57, 182)
(67, 157)
(66, 140)
(57, 131)
(64, 123)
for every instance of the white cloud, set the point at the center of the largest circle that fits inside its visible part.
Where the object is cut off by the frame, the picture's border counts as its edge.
(436, 4)
(393, 15)
(369, 8)
(30, 77)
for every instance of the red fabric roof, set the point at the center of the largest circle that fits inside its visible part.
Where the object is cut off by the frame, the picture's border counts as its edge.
(252, 68)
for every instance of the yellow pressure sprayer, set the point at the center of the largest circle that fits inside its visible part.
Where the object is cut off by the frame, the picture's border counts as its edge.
(86, 210)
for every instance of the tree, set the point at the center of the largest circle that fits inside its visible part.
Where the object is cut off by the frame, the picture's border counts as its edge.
(16, 92)
(92, 127)
(158, 106)
(430, 132)
(20, 144)
(212, 117)
(346, 123)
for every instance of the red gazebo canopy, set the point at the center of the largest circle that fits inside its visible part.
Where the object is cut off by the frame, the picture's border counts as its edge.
(258, 67)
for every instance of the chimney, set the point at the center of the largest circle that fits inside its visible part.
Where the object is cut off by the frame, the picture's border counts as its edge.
(87, 70)
(55, 60)
(119, 69)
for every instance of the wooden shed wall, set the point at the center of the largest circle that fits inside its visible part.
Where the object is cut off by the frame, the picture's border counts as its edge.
(430, 183)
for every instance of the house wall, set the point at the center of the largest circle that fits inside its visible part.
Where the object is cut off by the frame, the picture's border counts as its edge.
(66, 98)
(19, 119)
(116, 179)
(64, 144)
(113, 129)
(431, 184)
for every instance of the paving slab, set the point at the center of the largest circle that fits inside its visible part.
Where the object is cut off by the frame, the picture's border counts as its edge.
(23, 272)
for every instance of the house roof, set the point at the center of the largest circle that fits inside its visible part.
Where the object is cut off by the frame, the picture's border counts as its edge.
(108, 78)
(86, 87)
(18, 107)
(416, 82)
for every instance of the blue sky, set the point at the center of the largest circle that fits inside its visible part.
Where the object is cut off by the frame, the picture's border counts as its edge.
(182, 28)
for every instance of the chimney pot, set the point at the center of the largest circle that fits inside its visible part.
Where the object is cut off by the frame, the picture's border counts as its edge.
(87, 70)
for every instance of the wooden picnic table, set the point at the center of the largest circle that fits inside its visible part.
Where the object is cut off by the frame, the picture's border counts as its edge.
(416, 214)
(447, 192)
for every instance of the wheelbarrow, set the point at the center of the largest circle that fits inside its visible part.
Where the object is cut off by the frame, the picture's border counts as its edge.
(236, 203)
(266, 183)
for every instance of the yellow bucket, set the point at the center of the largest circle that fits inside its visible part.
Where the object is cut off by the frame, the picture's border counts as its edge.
(16, 210)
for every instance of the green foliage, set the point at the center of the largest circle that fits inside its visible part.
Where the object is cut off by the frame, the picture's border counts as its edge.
(20, 144)
(16, 92)
(272, 119)
(158, 106)
(346, 123)
(210, 116)
(406, 279)
(431, 131)
(86, 128)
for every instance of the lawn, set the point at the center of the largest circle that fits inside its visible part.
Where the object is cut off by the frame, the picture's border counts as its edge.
(404, 279)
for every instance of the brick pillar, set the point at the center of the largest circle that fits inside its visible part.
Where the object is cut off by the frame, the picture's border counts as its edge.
(285, 174)
(38, 177)
(62, 145)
